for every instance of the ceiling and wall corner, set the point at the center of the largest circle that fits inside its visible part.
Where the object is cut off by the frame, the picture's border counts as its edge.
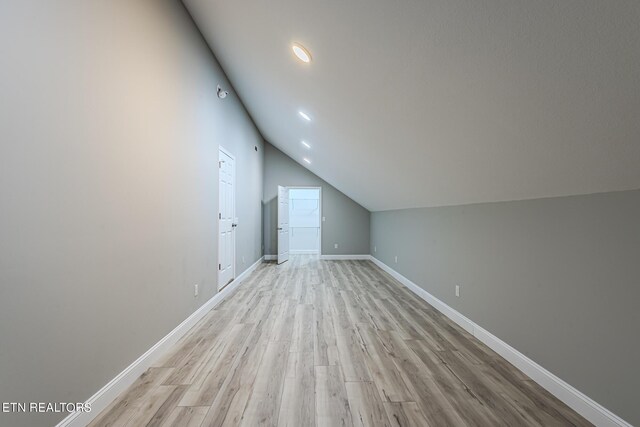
(346, 223)
(442, 102)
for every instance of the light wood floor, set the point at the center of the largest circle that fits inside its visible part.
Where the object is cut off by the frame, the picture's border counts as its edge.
(332, 343)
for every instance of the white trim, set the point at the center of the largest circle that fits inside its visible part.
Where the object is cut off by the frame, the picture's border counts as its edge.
(270, 257)
(578, 401)
(454, 315)
(344, 257)
(304, 252)
(124, 379)
(227, 152)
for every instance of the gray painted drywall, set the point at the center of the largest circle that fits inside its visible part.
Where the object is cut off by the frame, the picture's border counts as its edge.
(558, 279)
(346, 222)
(109, 133)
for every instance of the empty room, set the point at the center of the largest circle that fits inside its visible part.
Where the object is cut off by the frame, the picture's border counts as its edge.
(317, 214)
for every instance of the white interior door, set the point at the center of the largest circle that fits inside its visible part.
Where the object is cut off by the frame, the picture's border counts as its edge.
(226, 219)
(283, 224)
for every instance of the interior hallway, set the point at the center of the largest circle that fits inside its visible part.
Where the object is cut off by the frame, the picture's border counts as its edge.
(331, 343)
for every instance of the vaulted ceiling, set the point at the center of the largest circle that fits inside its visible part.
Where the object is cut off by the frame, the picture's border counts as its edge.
(440, 102)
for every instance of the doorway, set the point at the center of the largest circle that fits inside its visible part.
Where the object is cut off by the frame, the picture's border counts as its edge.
(226, 218)
(305, 210)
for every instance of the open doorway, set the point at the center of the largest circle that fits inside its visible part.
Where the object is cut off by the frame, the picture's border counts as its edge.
(305, 225)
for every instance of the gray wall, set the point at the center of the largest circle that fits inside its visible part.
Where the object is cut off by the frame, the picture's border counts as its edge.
(347, 223)
(558, 279)
(109, 133)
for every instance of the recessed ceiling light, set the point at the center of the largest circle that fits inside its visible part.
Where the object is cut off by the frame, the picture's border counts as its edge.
(307, 160)
(301, 52)
(304, 116)
(306, 144)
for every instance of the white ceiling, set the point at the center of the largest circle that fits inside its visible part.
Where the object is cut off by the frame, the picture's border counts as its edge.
(429, 103)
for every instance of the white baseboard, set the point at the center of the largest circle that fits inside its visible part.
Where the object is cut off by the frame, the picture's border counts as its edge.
(124, 379)
(325, 257)
(345, 257)
(304, 252)
(578, 401)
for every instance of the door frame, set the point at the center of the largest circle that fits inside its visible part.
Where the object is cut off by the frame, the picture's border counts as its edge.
(320, 209)
(233, 229)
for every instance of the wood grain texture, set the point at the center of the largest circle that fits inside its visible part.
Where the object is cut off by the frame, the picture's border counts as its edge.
(331, 343)
(297, 406)
(365, 405)
(332, 405)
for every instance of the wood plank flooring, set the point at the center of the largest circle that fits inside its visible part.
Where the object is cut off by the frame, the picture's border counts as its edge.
(331, 343)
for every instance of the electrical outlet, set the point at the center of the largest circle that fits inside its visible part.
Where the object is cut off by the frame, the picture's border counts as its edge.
(195, 290)
(375, 249)
(323, 219)
(457, 290)
(335, 245)
(396, 259)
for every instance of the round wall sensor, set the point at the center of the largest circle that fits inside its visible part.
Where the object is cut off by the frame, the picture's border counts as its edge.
(222, 94)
